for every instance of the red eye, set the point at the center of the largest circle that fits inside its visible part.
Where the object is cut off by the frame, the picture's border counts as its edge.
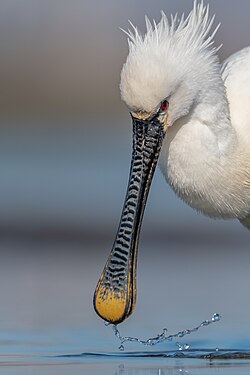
(164, 105)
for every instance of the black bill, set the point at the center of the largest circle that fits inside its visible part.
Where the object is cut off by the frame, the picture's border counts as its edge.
(115, 294)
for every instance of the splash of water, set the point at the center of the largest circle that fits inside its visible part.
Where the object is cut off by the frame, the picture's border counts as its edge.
(164, 335)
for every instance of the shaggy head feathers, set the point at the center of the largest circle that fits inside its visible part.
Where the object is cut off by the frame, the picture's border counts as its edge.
(171, 54)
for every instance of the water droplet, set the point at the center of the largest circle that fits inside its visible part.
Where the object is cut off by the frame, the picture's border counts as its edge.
(178, 345)
(163, 336)
(217, 349)
(205, 323)
(216, 317)
(182, 347)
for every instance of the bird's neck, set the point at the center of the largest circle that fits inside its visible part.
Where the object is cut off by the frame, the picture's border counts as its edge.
(206, 133)
(199, 148)
(211, 111)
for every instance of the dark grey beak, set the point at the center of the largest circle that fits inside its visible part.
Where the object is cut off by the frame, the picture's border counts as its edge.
(115, 294)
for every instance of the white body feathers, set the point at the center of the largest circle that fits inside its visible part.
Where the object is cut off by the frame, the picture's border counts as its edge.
(206, 152)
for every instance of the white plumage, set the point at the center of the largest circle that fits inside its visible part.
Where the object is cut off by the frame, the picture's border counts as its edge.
(197, 112)
(206, 151)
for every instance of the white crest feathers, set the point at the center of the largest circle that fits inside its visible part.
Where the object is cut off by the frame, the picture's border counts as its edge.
(176, 45)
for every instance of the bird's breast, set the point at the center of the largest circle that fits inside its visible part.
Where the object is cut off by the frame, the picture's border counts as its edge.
(192, 164)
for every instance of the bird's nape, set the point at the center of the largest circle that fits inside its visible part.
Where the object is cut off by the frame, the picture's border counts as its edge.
(115, 294)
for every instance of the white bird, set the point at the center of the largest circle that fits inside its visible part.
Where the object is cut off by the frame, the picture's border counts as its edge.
(181, 98)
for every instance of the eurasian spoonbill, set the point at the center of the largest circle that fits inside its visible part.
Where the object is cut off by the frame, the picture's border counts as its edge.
(194, 110)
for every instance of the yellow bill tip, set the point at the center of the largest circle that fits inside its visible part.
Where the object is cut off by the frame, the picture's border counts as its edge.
(111, 306)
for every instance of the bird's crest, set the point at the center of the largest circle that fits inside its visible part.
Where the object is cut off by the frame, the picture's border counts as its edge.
(167, 50)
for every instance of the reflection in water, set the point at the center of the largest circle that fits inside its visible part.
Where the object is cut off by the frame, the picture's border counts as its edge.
(123, 370)
(187, 368)
(179, 368)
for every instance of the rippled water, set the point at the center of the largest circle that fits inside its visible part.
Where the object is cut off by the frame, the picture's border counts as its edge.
(59, 352)
(198, 361)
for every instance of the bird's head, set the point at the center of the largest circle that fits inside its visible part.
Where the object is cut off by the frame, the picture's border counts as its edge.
(160, 82)
(165, 68)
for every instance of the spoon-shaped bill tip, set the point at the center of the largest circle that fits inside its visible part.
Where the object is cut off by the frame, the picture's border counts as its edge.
(113, 306)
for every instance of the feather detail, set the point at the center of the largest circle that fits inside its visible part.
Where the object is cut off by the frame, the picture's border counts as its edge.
(191, 31)
(169, 52)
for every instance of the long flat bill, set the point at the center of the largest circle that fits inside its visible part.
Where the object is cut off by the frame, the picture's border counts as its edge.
(115, 293)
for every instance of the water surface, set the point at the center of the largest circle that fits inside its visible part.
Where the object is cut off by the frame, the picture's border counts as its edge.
(58, 220)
